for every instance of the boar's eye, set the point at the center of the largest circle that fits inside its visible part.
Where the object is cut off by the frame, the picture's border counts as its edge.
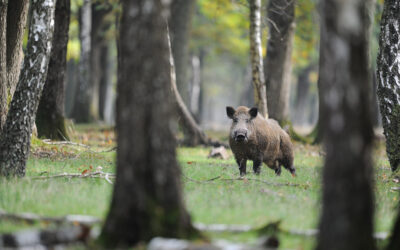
(235, 120)
(247, 120)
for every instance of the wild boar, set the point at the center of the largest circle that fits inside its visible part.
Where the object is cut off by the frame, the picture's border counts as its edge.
(255, 138)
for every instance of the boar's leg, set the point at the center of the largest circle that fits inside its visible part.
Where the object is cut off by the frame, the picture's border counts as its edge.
(277, 168)
(242, 166)
(257, 166)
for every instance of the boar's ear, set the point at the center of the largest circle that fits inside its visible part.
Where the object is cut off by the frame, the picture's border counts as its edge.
(230, 112)
(253, 112)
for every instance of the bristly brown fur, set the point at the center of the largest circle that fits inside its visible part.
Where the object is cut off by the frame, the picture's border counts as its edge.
(267, 142)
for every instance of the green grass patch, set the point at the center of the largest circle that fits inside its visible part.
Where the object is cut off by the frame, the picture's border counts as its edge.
(224, 200)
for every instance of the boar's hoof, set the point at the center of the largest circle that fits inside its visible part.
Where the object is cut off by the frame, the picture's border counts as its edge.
(278, 171)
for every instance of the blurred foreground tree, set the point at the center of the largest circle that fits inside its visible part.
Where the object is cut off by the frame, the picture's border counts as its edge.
(278, 62)
(388, 73)
(50, 115)
(15, 139)
(13, 15)
(260, 94)
(147, 199)
(347, 211)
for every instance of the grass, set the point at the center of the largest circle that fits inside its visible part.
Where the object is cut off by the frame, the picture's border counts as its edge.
(225, 200)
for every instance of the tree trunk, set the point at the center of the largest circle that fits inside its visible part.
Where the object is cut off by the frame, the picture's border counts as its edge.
(347, 210)
(179, 23)
(105, 89)
(193, 133)
(388, 92)
(81, 110)
(15, 140)
(318, 131)
(3, 63)
(302, 95)
(278, 63)
(50, 116)
(12, 27)
(17, 14)
(195, 86)
(98, 41)
(389, 79)
(147, 199)
(260, 95)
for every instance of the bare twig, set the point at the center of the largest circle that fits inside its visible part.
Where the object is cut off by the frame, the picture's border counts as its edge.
(96, 174)
(88, 148)
(267, 182)
(245, 179)
(201, 181)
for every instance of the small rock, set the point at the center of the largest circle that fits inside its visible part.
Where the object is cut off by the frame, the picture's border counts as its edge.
(219, 152)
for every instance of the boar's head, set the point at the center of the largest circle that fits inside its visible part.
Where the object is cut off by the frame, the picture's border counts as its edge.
(241, 128)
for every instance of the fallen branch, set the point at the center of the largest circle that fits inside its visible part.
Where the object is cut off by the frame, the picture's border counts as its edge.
(246, 179)
(201, 181)
(49, 142)
(267, 182)
(96, 174)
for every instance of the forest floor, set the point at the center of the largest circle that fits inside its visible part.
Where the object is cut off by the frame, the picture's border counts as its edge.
(213, 192)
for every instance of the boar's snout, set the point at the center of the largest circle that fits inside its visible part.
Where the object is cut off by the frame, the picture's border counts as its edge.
(241, 135)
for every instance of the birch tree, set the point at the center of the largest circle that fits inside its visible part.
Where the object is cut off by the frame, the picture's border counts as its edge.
(260, 94)
(15, 139)
(50, 120)
(388, 74)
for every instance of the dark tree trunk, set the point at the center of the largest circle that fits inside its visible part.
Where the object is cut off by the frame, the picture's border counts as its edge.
(71, 85)
(12, 27)
(98, 41)
(179, 23)
(81, 110)
(194, 135)
(15, 141)
(3, 63)
(278, 64)
(147, 199)
(389, 79)
(302, 95)
(50, 116)
(260, 95)
(17, 14)
(318, 131)
(347, 211)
